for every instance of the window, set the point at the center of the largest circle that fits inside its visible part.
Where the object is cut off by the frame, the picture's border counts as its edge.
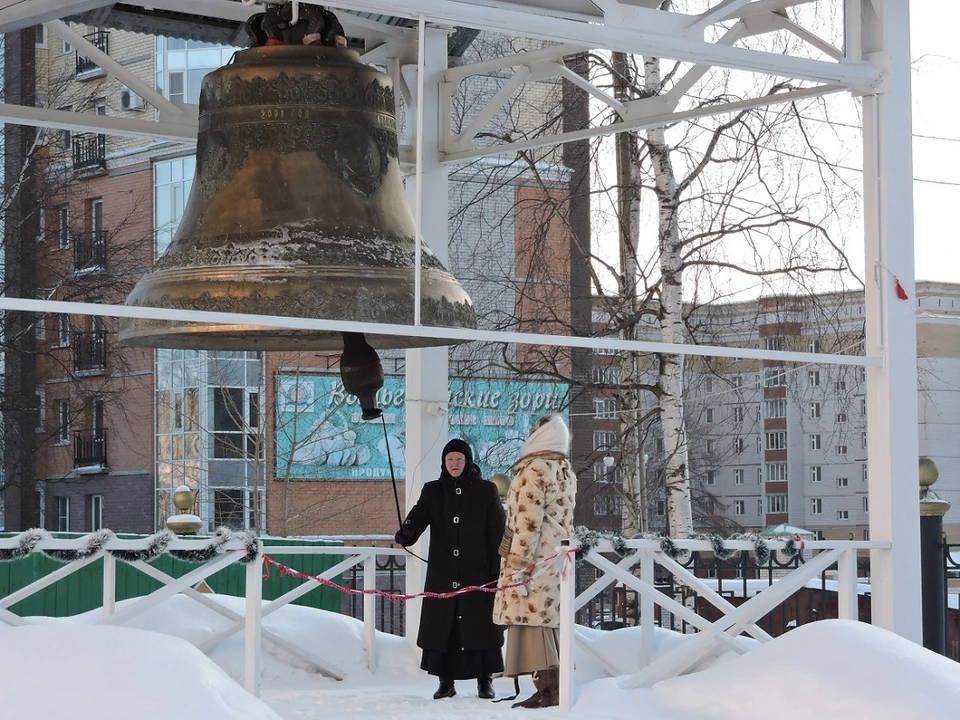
(66, 47)
(813, 378)
(63, 227)
(777, 440)
(775, 408)
(708, 384)
(100, 106)
(776, 472)
(816, 473)
(738, 445)
(815, 442)
(738, 413)
(182, 64)
(63, 331)
(172, 181)
(228, 507)
(63, 514)
(862, 374)
(863, 472)
(605, 439)
(708, 415)
(711, 445)
(41, 40)
(661, 508)
(842, 482)
(63, 422)
(774, 377)
(659, 445)
(739, 507)
(841, 417)
(814, 410)
(96, 513)
(840, 386)
(737, 381)
(863, 406)
(816, 506)
(711, 477)
(602, 473)
(777, 503)
(738, 476)
(841, 449)
(760, 443)
(40, 324)
(96, 218)
(865, 504)
(863, 438)
(235, 415)
(773, 342)
(843, 514)
(759, 413)
(814, 346)
(606, 374)
(605, 408)
(760, 506)
(41, 406)
(41, 224)
(66, 139)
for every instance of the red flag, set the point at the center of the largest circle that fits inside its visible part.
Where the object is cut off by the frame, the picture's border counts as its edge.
(901, 293)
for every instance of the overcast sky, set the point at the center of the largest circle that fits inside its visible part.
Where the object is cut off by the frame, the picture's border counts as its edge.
(936, 77)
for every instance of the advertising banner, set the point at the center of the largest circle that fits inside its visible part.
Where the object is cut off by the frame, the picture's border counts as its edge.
(320, 434)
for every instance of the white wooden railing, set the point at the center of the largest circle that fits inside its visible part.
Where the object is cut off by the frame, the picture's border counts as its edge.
(634, 571)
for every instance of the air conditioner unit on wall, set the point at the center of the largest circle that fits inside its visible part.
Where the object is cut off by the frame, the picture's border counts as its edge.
(129, 100)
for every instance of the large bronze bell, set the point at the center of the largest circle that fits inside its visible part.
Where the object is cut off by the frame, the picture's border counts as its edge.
(297, 209)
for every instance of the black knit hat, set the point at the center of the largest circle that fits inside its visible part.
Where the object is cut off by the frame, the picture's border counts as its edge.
(456, 445)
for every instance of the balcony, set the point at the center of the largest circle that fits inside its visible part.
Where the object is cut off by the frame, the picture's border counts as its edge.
(90, 451)
(90, 352)
(89, 151)
(88, 68)
(90, 251)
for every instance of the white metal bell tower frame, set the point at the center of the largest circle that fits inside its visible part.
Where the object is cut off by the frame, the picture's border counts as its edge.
(874, 63)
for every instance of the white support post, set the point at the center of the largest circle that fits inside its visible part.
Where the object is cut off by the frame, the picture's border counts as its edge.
(426, 371)
(568, 596)
(891, 331)
(109, 585)
(848, 607)
(370, 610)
(647, 609)
(252, 646)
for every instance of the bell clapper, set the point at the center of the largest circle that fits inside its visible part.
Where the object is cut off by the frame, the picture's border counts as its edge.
(362, 373)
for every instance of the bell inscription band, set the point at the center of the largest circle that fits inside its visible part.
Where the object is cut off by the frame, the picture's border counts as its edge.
(297, 209)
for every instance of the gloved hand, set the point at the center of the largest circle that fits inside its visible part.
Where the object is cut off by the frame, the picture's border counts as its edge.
(404, 537)
(521, 576)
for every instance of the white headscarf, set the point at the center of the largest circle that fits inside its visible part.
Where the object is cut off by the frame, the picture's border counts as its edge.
(552, 436)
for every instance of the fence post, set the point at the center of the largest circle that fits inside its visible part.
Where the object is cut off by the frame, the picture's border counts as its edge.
(568, 596)
(933, 567)
(252, 660)
(109, 585)
(370, 609)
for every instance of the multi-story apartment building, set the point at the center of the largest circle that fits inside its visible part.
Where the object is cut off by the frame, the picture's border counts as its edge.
(774, 442)
(116, 429)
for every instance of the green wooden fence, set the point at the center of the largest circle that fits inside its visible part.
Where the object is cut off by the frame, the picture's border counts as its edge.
(82, 590)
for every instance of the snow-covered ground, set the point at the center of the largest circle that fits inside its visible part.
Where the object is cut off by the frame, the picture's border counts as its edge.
(72, 669)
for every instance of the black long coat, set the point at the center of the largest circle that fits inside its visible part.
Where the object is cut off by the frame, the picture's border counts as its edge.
(466, 521)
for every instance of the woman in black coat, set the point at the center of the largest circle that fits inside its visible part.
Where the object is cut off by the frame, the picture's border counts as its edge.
(466, 519)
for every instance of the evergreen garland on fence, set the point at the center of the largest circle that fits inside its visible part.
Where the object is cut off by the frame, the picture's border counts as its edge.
(157, 545)
(589, 539)
(26, 542)
(94, 546)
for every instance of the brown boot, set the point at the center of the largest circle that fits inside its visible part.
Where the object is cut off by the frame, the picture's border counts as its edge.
(547, 683)
(549, 687)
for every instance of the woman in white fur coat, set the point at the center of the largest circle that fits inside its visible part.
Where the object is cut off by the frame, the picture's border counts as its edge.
(540, 506)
